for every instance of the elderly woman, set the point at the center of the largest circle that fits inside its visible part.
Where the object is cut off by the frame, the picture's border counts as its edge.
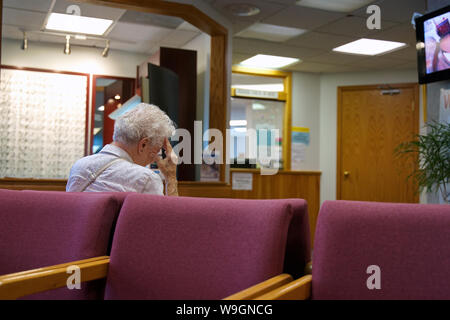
(139, 136)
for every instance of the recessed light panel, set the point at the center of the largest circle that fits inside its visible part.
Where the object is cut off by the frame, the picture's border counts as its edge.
(77, 24)
(334, 5)
(270, 32)
(369, 47)
(268, 62)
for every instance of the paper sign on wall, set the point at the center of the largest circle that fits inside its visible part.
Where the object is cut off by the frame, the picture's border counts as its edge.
(300, 140)
(444, 112)
(242, 181)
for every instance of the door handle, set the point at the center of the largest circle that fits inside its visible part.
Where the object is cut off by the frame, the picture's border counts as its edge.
(346, 173)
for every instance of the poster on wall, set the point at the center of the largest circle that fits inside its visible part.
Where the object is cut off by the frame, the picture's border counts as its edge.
(444, 116)
(444, 110)
(300, 142)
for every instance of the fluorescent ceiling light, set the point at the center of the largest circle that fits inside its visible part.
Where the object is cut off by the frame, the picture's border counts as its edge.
(236, 123)
(369, 47)
(274, 87)
(266, 61)
(270, 32)
(334, 5)
(77, 24)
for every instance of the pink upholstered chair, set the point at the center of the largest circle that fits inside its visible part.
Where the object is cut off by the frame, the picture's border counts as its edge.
(195, 248)
(369, 250)
(39, 228)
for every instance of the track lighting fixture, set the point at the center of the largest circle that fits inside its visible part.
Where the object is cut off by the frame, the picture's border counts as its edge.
(67, 49)
(24, 45)
(106, 50)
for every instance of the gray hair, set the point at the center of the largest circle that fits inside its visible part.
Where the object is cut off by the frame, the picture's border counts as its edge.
(143, 121)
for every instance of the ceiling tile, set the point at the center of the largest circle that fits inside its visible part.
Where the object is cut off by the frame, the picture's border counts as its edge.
(188, 27)
(396, 10)
(250, 46)
(303, 18)
(408, 53)
(239, 57)
(384, 62)
(90, 10)
(401, 33)
(352, 26)
(336, 58)
(138, 32)
(269, 32)
(178, 38)
(267, 9)
(317, 67)
(151, 19)
(27, 20)
(336, 5)
(34, 5)
(319, 40)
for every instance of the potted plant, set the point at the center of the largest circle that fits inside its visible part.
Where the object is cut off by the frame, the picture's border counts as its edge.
(433, 151)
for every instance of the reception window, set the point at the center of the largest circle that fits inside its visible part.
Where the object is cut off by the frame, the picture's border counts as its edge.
(257, 114)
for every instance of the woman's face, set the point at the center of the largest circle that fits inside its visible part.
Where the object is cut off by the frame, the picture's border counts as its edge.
(148, 152)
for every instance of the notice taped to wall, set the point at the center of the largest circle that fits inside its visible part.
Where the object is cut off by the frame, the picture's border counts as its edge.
(299, 143)
(242, 181)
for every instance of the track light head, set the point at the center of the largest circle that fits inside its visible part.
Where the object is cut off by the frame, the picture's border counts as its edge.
(106, 50)
(67, 49)
(24, 45)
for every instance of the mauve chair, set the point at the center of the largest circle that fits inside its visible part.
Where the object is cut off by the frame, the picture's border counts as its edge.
(409, 243)
(43, 228)
(195, 248)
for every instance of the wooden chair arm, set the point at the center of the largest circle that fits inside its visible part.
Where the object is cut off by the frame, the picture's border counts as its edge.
(261, 288)
(19, 284)
(299, 289)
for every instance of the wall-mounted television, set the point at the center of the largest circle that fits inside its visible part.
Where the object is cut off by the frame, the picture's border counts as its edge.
(433, 45)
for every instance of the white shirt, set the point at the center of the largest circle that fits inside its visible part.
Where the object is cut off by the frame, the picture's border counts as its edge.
(121, 176)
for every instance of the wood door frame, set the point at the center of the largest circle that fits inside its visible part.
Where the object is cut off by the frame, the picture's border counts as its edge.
(340, 90)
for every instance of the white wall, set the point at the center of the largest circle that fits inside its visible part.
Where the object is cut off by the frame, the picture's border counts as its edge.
(85, 60)
(306, 113)
(328, 117)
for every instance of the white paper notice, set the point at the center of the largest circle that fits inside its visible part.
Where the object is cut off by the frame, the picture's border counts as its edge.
(242, 181)
(298, 151)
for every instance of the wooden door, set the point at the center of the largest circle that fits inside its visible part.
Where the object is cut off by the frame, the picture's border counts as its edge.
(372, 121)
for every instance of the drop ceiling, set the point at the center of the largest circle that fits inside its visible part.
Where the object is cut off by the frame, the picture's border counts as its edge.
(320, 31)
(131, 31)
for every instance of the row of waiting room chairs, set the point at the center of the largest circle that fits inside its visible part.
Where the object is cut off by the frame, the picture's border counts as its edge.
(134, 246)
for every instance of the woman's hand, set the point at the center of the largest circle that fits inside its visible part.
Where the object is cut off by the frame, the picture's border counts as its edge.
(168, 167)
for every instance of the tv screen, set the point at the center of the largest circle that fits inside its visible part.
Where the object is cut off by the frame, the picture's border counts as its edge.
(433, 45)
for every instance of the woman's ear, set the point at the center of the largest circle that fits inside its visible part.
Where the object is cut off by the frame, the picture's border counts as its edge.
(142, 144)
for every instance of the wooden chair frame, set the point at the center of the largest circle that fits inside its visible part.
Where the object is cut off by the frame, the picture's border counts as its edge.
(20, 284)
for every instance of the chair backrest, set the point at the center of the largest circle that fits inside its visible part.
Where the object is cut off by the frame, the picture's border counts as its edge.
(40, 228)
(195, 248)
(298, 246)
(369, 250)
